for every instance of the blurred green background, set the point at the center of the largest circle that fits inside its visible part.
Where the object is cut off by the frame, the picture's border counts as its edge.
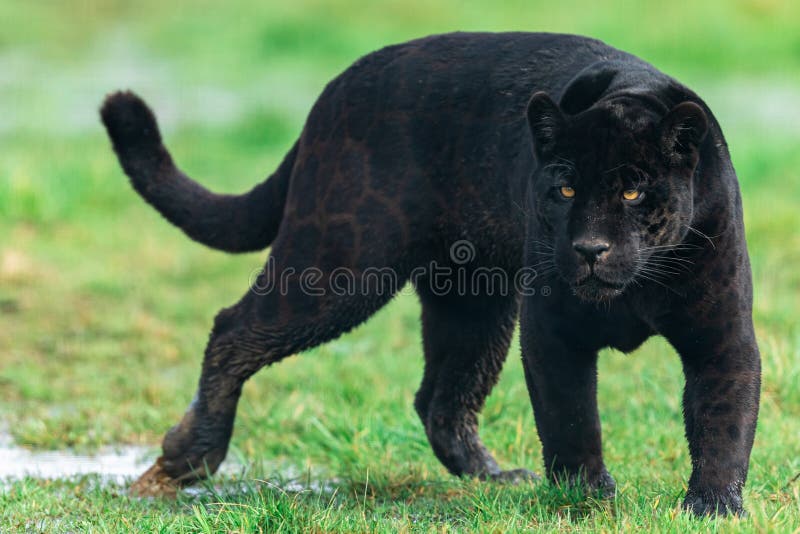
(105, 308)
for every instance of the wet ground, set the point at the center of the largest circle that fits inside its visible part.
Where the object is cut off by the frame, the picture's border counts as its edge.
(118, 464)
(122, 464)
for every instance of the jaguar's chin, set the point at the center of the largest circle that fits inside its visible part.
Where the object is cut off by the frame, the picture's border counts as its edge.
(593, 288)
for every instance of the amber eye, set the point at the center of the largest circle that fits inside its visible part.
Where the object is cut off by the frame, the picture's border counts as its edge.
(567, 192)
(631, 194)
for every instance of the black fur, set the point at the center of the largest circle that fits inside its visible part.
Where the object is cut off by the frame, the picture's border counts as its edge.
(234, 223)
(425, 145)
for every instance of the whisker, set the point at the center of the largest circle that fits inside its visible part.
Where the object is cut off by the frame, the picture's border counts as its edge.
(658, 270)
(670, 258)
(612, 169)
(568, 163)
(661, 284)
(543, 244)
(661, 275)
(671, 265)
(567, 167)
(676, 268)
(540, 265)
(672, 262)
(672, 245)
(676, 246)
(549, 262)
(663, 267)
(701, 234)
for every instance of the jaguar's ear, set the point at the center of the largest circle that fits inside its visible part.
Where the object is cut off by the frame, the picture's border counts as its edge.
(681, 132)
(588, 86)
(545, 120)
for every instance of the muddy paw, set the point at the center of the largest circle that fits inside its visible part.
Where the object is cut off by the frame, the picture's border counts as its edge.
(187, 466)
(155, 482)
(192, 449)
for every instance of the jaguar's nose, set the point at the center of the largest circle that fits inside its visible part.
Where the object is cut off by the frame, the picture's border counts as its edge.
(591, 249)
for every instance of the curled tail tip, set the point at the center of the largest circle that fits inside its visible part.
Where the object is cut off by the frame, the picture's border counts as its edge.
(129, 121)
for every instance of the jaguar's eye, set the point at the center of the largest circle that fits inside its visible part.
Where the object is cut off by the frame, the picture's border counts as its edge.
(567, 192)
(631, 194)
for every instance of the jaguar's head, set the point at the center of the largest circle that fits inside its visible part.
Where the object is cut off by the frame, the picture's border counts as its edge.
(613, 189)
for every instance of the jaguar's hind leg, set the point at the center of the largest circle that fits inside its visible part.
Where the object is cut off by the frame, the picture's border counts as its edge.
(260, 330)
(466, 340)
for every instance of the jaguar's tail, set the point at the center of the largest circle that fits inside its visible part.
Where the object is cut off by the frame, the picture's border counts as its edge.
(234, 223)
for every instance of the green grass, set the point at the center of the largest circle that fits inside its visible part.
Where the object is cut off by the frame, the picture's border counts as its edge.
(105, 308)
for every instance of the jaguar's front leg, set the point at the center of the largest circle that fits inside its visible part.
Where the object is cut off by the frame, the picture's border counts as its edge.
(722, 366)
(562, 382)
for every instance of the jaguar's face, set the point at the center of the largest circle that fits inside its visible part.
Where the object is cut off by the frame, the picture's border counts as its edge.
(613, 190)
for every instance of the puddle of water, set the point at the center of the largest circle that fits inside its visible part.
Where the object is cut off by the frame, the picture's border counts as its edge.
(120, 465)
(117, 464)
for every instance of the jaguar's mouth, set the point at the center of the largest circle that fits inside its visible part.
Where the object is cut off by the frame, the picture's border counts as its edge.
(595, 288)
